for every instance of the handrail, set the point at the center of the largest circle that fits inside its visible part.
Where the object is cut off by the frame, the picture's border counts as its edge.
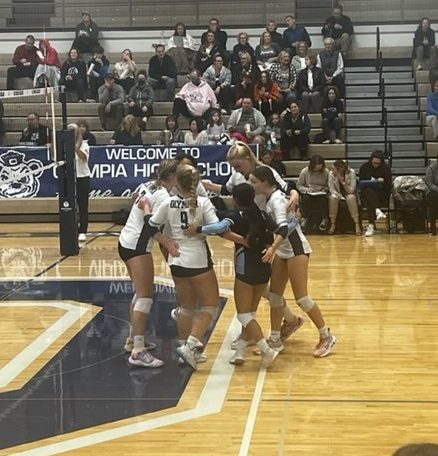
(378, 53)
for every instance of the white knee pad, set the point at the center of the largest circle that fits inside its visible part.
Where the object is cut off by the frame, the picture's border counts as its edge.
(143, 305)
(185, 312)
(253, 315)
(306, 303)
(245, 318)
(209, 309)
(276, 300)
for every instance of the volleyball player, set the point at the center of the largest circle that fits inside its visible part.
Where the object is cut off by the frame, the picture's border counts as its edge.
(290, 255)
(192, 271)
(135, 247)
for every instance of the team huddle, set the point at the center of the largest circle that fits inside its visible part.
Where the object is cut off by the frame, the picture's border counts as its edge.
(270, 250)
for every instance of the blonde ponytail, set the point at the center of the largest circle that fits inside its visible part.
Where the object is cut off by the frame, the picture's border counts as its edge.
(188, 180)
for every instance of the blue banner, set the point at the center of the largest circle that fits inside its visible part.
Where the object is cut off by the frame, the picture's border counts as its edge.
(115, 170)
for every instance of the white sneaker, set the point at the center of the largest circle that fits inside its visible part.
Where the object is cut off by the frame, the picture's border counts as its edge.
(188, 355)
(380, 215)
(144, 359)
(201, 357)
(238, 358)
(370, 231)
(82, 237)
(236, 340)
(268, 358)
(338, 141)
(327, 141)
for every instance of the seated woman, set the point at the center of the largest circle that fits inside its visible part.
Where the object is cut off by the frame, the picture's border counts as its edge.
(245, 67)
(313, 187)
(432, 196)
(299, 60)
(285, 75)
(49, 66)
(342, 187)
(375, 182)
(331, 111)
(424, 44)
(267, 95)
(245, 89)
(172, 134)
(129, 132)
(266, 52)
(241, 47)
(295, 128)
(196, 136)
(206, 52)
(310, 85)
(124, 71)
(182, 48)
(74, 74)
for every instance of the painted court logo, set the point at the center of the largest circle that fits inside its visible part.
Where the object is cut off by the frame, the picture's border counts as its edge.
(13, 164)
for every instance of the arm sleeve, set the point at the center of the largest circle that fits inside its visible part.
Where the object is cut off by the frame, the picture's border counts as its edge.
(217, 228)
(280, 216)
(161, 215)
(282, 185)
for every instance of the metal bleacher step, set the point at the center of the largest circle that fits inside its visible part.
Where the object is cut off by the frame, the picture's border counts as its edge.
(376, 123)
(371, 69)
(392, 117)
(364, 138)
(399, 131)
(358, 90)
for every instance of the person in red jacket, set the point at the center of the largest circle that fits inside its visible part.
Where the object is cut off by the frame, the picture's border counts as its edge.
(49, 67)
(25, 61)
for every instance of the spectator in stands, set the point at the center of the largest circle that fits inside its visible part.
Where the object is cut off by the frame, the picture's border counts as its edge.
(245, 89)
(432, 196)
(332, 65)
(424, 43)
(98, 69)
(141, 99)
(246, 122)
(267, 96)
(48, 69)
(268, 159)
(172, 134)
(295, 128)
(34, 134)
(207, 51)
(294, 34)
(246, 67)
(313, 187)
(195, 99)
(129, 132)
(299, 60)
(340, 28)
(82, 153)
(124, 71)
(182, 48)
(215, 127)
(266, 52)
(342, 187)
(285, 75)
(196, 136)
(273, 132)
(310, 86)
(375, 182)
(218, 77)
(242, 46)
(432, 110)
(74, 74)
(86, 35)
(25, 61)
(111, 98)
(271, 27)
(86, 133)
(331, 111)
(221, 36)
(162, 72)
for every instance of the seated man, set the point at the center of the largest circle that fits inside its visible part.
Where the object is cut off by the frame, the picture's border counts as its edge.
(220, 35)
(141, 99)
(332, 65)
(218, 77)
(86, 35)
(25, 61)
(340, 28)
(246, 122)
(162, 72)
(271, 27)
(34, 134)
(294, 34)
(195, 99)
(111, 98)
(98, 69)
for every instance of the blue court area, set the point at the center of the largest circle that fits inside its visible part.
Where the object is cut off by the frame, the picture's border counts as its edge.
(89, 381)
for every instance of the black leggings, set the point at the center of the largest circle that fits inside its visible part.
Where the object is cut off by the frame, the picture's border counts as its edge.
(83, 190)
(373, 199)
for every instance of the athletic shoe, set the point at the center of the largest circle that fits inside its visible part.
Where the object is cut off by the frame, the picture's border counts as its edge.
(323, 225)
(238, 358)
(287, 329)
(324, 346)
(144, 359)
(277, 345)
(174, 313)
(338, 141)
(82, 237)
(236, 340)
(188, 355)
(129, 345)
(370, 231)
(380, 215)
(327, 141)
(268, 358)
(201, 357)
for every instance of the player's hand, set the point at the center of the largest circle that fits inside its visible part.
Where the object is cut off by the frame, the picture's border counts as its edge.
(191, 230)
(173, 248)
(268, 255)
(293, 201)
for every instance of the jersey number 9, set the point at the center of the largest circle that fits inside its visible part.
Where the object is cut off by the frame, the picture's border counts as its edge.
(184, 220)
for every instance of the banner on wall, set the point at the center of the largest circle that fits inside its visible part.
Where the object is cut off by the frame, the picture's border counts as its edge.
(115, 170)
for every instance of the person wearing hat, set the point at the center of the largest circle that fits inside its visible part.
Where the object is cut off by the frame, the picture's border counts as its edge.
(111, 98)
(86, 35)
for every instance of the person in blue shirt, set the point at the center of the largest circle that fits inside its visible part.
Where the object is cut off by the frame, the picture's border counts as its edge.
(294, 34)
(432, 109)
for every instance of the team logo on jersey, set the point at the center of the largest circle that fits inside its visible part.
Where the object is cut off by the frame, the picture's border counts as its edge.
(13, 164)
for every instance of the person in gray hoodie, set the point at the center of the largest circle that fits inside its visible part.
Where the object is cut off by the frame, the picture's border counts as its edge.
(141, 99)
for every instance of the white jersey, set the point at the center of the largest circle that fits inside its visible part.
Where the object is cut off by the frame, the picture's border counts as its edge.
(238, 178)
(296, 243)
(134, 234)
(175, 215)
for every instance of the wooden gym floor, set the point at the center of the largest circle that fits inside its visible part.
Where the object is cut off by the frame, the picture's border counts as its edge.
(376, 392)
